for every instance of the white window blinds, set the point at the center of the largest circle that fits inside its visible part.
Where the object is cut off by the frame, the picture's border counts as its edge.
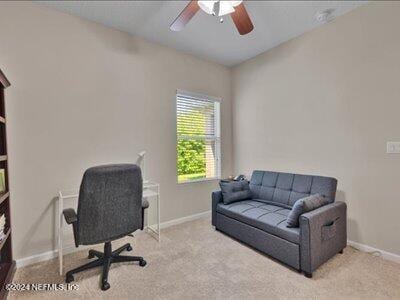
(198, 137)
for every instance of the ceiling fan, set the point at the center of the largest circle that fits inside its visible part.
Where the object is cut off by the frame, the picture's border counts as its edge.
(218, 8)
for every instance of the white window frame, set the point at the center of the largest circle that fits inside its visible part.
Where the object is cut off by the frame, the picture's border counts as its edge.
(216, 138)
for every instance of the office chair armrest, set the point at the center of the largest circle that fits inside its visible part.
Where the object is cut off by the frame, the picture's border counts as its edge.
(70, 215)
(145, 204)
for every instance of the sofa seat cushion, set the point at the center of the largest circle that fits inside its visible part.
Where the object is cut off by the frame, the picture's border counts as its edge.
(267, 217)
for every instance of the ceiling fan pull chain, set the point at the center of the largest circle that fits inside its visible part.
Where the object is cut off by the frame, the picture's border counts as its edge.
(216, 8)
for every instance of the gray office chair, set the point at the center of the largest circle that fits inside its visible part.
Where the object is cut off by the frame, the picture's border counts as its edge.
(109, 207)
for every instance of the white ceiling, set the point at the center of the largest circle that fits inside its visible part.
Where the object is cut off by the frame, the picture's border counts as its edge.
(275, 22)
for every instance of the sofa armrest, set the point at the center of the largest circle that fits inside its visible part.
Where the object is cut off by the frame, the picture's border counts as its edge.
(323, 233)
(216, 198)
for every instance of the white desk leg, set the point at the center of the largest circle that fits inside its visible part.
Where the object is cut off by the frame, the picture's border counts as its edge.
(60, 233)
(158, 213)
(146, 215)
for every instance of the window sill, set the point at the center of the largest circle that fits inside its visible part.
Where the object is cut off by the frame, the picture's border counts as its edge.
(199, 180)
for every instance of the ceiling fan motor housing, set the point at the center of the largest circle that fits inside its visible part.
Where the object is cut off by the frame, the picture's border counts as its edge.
(218, 7)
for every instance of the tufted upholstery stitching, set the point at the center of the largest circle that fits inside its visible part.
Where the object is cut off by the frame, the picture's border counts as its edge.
(247, 209)
(267, 217)
(252, 203)
(291, 188)
(255, 205)
(264, 214)
(262, 206)
(280, 213)
(280, 188)
(265, 207)
(280, 222)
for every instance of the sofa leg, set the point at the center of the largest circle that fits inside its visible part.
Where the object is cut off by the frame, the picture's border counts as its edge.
(308, 275)
(341, 251)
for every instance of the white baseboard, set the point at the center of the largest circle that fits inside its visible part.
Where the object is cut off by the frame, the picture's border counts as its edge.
(26, 261)
(185, 219)
(35, 258)
(375, 251)
(53, 254)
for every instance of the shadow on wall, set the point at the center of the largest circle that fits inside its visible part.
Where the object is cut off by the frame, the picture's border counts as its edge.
(277, 54)
(340, 196)
(120, 42)
(117, 42)
(29, 240)
(148, 18)
(54, 201)
(353, 230)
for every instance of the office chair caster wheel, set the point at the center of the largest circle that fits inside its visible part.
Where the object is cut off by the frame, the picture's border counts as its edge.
(105, 286)
(90, 256)
(142, 263)
(69, 278)
(129, 248)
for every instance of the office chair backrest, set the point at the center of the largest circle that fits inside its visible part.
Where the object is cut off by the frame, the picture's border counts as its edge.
(110, 203)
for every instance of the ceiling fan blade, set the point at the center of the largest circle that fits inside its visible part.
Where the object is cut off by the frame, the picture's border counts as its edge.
(242, 19)
(184, 17)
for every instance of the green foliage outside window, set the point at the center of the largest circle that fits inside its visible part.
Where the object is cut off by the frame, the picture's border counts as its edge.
(191, 152)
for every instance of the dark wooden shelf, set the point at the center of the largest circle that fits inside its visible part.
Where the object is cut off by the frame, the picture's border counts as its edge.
(7, 270)
(4, 196)
(7, 263)
(3, 80)
(4, 240)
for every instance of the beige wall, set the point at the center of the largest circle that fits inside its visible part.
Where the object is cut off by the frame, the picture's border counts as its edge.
(326, 103)
(83, 94)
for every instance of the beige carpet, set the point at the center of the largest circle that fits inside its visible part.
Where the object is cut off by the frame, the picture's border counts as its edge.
(195, 262)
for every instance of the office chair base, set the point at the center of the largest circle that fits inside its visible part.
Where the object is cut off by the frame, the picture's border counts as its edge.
(105, 260)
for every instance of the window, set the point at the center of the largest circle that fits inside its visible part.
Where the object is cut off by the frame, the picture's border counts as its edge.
(198, 137)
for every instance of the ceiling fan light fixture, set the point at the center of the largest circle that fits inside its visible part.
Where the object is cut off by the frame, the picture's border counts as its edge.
(236, 2)
(207, 5)
(225, 8)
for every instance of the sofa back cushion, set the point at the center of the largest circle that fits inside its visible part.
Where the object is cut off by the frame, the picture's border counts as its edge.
(284, 189)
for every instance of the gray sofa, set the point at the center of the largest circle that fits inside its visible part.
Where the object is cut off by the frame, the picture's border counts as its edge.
(261, 221)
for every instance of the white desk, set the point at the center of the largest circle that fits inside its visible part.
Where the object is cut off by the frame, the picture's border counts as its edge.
(151, 190)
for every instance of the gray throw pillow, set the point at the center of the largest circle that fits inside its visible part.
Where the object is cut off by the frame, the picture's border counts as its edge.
(233, 191)
(304, 205)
